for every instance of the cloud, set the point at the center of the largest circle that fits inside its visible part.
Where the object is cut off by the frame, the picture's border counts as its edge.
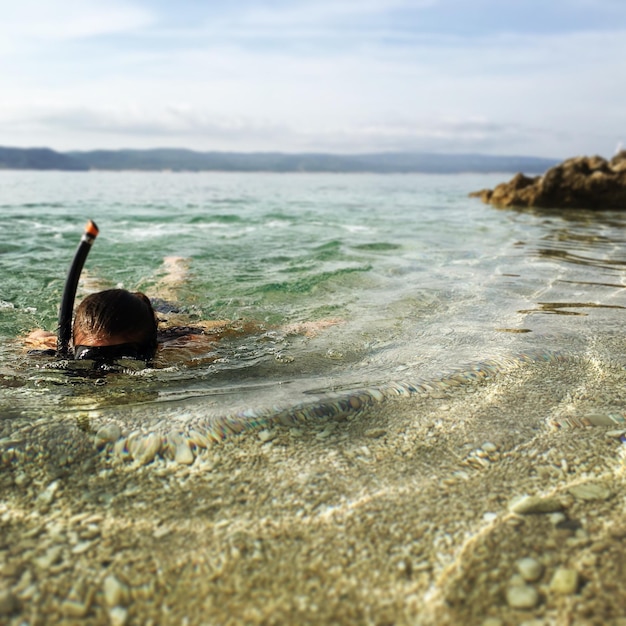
(182, 125)
(324, 12)
(180, 121)
(39, 21)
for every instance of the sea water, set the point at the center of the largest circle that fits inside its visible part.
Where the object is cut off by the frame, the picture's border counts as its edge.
(407, 278)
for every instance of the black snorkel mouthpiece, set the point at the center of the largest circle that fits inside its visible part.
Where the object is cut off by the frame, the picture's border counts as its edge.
(69, 293)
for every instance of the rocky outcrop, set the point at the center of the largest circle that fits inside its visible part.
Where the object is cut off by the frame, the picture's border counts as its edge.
(578, 183)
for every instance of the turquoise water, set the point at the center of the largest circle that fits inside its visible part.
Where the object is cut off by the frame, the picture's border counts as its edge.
(420, 279)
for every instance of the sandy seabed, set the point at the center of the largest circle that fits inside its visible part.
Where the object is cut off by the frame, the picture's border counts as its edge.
(403, 513)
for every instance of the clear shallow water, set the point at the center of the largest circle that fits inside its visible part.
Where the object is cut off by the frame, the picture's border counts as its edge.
(422, 279)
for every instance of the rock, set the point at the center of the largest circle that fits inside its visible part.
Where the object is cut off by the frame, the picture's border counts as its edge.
(564, 581)
(527, 505)
(577, 183)
(522, 597)
(591, 491)
(530, 569)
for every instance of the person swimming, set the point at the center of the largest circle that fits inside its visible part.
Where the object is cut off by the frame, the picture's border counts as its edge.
(108, 325)
(115, 324)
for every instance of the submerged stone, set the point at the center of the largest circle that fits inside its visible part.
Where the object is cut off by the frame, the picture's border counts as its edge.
(528, 505)
(591, 491)
(522, 597)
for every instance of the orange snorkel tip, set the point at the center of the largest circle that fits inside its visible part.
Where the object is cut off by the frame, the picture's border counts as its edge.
(91, 229)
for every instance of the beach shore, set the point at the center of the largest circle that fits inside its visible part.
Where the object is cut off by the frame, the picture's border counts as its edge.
(409, 512)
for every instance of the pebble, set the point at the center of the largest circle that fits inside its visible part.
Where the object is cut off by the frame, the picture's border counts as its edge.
(198, 439)
(422, 566)
(556, 518)
(115, 592)
(527, 505)
(266, 435)
(47, 495)
(161, 532)
(24, 582)
(591, 491)
(49, 558)
(327, 432)
(564, 581)
(109, 433)
(375, 433)
(615, 434)
(119, 449)
(530, 569)
(90, 532)
(522, 597)
(74, 608)
(21, 479)
(150, 446)
(334, 354)
(489, 447)
(600, 419)
(81, 547)
(8, 602)
(118, 616)
(517, 581)
(618, 532)
(78, 602)
(183, 454)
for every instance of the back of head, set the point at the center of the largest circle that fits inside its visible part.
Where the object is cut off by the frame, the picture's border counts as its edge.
(114, 317)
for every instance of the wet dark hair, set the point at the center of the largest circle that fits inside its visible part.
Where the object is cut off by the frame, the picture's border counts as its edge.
(120, 314)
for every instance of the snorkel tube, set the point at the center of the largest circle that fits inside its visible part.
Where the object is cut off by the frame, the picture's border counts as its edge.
(69, 293)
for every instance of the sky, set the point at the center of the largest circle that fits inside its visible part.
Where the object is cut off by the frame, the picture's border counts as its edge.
(510, 77)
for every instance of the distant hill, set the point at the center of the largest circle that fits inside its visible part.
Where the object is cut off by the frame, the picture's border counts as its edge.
(37, 159)
(191, 161)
